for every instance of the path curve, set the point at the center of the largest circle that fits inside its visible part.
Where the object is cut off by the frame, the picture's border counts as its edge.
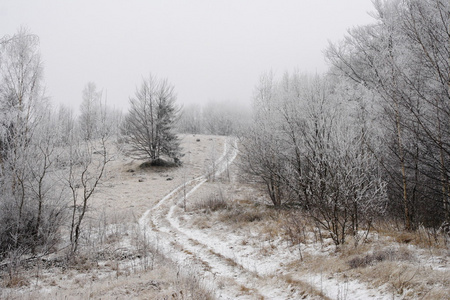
(216, 263)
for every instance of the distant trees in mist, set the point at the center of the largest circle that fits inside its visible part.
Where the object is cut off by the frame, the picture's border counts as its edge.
(90, 110)
(214, 117)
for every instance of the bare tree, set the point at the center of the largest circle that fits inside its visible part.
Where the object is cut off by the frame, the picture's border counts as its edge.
(44, 184)
(261, 143)
(66, 125)
(86, 163)
(22, 111)
(21, 91)
(90, 110)
(149, 125)
(341, 175)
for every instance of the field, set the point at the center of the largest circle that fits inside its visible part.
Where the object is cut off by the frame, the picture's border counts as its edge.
(206, 231)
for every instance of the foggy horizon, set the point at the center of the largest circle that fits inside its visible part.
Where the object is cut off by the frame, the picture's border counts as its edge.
(210, 51)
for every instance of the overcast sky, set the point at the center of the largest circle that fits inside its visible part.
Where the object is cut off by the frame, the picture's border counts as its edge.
(209, 50)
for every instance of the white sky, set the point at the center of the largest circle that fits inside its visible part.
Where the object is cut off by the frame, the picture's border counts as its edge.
(209, 50)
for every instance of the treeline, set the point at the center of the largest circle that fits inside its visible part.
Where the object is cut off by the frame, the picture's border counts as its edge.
(369, 140)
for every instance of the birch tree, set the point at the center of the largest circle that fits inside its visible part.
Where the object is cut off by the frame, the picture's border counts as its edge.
(30, 211)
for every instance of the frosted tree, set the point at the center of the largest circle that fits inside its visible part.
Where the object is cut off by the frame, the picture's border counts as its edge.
(86, 161)
(262, 147)
(403, 59)
(90, 110)
(307, 146)
(20, 89)
(150, 122)
(30, 216)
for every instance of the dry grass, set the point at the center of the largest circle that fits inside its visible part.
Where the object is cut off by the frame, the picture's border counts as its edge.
(386, 254)
(16, 281)
(202, 222)
(240, 213)
(408, 280)
(426, 238)
(396, 260)
(307, 290)
(317, 264)
(213, 202)
(246, 290)
(122, 264)
(388, 259)
(296, 226)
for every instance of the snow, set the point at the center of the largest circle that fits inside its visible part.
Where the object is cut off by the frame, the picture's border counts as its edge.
(227, 257)
(234, 263)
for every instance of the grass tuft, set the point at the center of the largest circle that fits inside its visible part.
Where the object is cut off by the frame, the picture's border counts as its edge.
(213, 202)
(388, 254)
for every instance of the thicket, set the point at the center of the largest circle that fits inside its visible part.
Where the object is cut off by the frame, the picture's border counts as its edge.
(369, 140)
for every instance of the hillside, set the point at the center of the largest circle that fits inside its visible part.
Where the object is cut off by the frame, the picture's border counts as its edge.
(206, 231)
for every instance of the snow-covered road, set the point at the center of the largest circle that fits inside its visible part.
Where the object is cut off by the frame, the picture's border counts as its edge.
(227, 277)
(226, 271)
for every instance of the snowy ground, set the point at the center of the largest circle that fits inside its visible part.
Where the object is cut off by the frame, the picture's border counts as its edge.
(139, 216)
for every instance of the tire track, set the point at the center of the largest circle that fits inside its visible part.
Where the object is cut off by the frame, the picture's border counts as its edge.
(218, 265)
